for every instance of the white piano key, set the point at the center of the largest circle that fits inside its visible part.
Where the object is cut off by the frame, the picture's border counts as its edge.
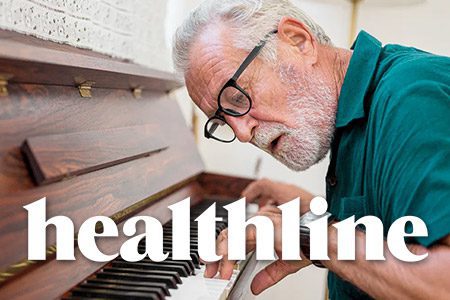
(198, 287)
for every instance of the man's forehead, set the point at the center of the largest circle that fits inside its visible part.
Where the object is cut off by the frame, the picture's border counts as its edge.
(212, 62)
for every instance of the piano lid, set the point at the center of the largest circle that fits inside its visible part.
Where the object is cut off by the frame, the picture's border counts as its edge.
(109, 154)
(31, 60)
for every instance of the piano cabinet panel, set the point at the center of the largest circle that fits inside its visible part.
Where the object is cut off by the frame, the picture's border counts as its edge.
(53, 158)
(36, 110)
(221, 185)
(32, 110)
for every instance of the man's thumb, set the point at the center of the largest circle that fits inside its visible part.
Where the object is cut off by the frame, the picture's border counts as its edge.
(269, 276)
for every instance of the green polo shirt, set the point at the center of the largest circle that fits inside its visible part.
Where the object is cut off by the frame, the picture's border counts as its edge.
(391, 152)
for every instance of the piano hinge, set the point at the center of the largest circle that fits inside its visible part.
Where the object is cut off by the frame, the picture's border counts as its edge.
(85, 88)
(137, 92)
(4, 78)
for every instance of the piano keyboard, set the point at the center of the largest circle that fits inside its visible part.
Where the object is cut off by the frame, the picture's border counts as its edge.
(169, 279)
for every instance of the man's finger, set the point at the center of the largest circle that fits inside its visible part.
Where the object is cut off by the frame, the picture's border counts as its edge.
(225, 266)
(221, 249)
(269, 276)
(270, 209)
(211, 269)
(252, 191)
(257, 189)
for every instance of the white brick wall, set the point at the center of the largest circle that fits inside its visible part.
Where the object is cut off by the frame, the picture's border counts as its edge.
(127, 29)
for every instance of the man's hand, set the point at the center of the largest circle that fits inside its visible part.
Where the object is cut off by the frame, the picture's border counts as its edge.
(271, 274)
(268, 192)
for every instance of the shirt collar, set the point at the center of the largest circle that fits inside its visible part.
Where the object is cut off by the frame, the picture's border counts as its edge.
(357, 80)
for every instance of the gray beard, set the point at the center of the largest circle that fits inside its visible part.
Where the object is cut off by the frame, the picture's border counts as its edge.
(309, 141)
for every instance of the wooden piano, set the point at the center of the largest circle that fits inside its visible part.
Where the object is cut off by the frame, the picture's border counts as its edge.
(97, 137)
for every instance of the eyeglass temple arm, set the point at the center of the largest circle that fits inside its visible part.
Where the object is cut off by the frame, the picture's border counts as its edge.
(253, 55)
(213, 128)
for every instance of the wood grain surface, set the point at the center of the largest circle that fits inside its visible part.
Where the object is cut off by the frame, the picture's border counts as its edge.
(32, 110)
(55, 157)
(31, 60)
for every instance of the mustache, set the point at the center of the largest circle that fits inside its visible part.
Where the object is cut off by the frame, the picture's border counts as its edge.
(264, 135)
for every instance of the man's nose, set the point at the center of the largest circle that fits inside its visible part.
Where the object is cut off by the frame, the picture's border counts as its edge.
(243, 127)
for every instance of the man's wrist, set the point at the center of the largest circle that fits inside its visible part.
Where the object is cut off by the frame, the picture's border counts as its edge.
(305, 234)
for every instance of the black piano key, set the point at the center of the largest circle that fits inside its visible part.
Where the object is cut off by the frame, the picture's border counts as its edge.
(83, 298)
(196, 259)
(167, 242)
(168, 280)
(110, 294)
(96, 285)
(161, 287)
(153, 266)
(193, 235)
(194, 256)
(172, 274)
(194, 228)
(187, 264)
(193, 231)
(157, 277)
(168, 245)
(194, 263)
(168, 239)
(168, 248)
(193, 225)
(168, 232)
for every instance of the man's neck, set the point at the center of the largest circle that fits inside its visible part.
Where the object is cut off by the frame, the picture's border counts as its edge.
(335, 62)
(340, 66)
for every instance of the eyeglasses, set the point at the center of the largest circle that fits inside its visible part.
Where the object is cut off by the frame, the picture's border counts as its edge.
(233, 101)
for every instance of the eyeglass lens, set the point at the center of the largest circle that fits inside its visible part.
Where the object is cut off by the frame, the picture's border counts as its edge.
(234, 102)
(220, 130)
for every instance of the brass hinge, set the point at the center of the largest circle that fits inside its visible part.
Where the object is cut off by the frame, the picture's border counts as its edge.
(85, 88)
(137, 92)
(4, 78)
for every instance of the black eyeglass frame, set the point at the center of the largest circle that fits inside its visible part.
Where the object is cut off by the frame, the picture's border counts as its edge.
(232, 82)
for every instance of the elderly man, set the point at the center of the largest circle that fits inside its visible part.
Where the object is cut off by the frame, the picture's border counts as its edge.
(265, 73)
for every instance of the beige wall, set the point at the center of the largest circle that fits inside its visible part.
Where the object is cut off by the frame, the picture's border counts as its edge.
(425, 26)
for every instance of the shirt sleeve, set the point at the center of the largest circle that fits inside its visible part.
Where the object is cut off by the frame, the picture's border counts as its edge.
(412, 158)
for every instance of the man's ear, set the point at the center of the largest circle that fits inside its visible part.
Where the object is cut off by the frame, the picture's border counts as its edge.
(298, 35)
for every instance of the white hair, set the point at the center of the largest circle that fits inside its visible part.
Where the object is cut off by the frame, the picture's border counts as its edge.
(251, 20)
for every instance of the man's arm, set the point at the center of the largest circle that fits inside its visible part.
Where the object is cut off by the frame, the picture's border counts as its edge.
(391, 278)
(410, 176)
(394, 279)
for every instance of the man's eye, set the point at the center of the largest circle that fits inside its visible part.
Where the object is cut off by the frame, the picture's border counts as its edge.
(238, 99)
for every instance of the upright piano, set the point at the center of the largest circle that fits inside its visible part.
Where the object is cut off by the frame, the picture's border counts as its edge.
(98, 136)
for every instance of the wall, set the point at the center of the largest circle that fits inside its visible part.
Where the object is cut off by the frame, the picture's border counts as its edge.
(127, 29)
(425, 25)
